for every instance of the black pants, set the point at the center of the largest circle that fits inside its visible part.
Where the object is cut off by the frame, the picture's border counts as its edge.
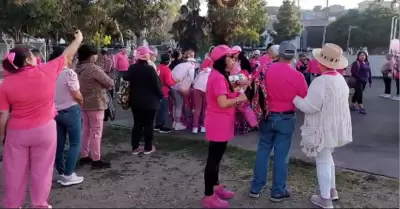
(397, 87)
(142, 125)
(358, 92)
(215, 152)
(388, 84)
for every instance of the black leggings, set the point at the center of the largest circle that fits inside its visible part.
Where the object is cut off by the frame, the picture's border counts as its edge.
(143, 125)
(358, 92)
(388, 84)
(397, 87)
(215, 152)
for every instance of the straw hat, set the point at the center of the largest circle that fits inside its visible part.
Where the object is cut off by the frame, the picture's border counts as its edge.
(331, 56)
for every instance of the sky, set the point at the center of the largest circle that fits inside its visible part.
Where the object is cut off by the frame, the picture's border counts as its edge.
(304, 4)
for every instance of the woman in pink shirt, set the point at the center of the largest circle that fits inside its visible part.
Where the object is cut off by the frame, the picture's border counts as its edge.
(31, 140)
(219, 123)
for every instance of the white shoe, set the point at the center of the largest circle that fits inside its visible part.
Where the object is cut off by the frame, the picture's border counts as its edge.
(397, 98)
(203, 129)
(179, 127)
(385, 95)
(195, 130)
(71, 180)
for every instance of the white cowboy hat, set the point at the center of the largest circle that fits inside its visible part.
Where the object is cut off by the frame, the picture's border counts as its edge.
(331, 56)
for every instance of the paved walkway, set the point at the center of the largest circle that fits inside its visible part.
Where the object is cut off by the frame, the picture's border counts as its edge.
(375, 148)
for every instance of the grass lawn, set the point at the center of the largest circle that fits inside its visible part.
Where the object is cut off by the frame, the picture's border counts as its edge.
(173, 177)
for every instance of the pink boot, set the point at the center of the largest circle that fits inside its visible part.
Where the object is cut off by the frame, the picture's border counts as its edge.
(214, 202)
(222, 193)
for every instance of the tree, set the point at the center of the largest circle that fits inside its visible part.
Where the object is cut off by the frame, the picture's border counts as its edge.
(256, 19)
(317, 8)
(160, 33)
(373, 28)
(224, 18)
(189, 28)
(140, 16)
(288, 25)
(26, 17)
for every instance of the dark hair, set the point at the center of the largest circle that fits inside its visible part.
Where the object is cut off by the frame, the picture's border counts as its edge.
(21, 54)
(57, 51)
(104, 52)
(35, 51)
(269, 45)
(366, 55)
(86, 51)
(165, 59)
(211, 48)
(176, 54)
(220, 66)
(244, 62)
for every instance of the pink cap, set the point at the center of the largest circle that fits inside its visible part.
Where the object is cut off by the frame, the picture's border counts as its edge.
(142, 52)
(222, 50)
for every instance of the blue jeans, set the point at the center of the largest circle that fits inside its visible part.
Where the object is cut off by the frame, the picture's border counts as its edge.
(275, 132)
(162, 113)
(69, 122)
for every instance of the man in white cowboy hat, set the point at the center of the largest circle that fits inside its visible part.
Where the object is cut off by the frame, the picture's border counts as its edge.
(327, 122)
(283, 84)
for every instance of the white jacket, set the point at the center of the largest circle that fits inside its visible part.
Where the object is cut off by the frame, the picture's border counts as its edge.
(200, 82)
(327, 121)
(181, 71)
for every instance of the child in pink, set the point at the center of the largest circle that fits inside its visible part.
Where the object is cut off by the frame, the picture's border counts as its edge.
(30, 143)
(219, 123)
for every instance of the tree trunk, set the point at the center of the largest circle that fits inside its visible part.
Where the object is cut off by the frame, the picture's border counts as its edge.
(139, 38)
(121, 36)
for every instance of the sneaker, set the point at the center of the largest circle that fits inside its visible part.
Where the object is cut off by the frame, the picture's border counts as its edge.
(203, 129)
(334, 195)
(321, 202)
(195, 130)
(362, 111)
(213, 202)
(137, 151)
(99, 164)
(352, 108)
(70, 180)
(153, 149)
(179, 127)
(165, 130)
(396, 98)
(385, 95)
(223, 193)
(281, 197)
(58, 177)
(85, 161)
(157, 128)
(254, 194)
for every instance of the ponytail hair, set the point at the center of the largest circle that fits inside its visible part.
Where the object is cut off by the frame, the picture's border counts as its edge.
(20, 54)
(220, 66)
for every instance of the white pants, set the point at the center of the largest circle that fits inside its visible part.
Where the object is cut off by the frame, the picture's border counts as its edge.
(325, 172)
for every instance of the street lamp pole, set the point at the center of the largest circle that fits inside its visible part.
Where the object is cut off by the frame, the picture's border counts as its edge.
(348, 37)
(326, 22)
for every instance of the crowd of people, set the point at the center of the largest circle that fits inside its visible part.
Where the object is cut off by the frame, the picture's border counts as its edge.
(44, 104)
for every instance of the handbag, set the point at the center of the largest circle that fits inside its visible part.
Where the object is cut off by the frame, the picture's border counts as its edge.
(111, 108)
(123, 95)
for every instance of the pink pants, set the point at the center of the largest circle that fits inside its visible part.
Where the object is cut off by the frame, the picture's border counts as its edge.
(200, 104)
(92, 132)
(29, 150)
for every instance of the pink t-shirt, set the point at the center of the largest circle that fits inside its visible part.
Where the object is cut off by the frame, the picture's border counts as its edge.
(219, 122)
(283, 84)
(67, 81)
(313, 67)
(31, 94)
(122, 62)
